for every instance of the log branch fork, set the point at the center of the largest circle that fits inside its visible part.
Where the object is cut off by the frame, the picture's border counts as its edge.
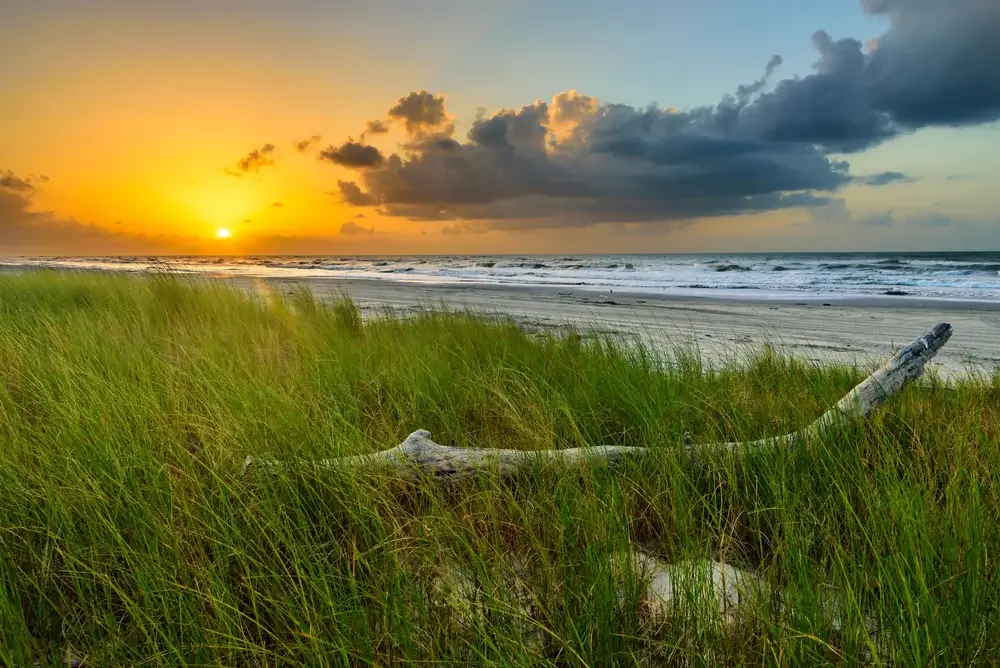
(420, 457)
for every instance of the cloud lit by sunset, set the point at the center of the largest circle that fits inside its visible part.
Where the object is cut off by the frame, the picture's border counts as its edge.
(164, 130)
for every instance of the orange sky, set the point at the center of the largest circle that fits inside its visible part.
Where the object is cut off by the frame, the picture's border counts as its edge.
(137, 119)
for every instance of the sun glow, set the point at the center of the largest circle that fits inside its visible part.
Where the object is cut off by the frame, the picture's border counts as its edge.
(223, 233)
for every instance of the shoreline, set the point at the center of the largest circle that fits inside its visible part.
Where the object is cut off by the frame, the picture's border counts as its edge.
(812, 282)
(623, 297)
(859, 331)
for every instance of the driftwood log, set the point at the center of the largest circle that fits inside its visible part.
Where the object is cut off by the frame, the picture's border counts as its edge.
(418, 456)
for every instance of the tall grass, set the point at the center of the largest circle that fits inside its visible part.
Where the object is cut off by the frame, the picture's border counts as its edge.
(129, 533)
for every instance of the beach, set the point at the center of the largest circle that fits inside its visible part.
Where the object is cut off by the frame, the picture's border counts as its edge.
(849, 330)
(820, 307)
(224, 427)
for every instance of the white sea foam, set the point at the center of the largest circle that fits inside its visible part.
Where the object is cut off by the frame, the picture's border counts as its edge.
(972, 276)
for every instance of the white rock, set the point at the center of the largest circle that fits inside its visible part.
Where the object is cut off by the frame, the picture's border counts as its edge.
(698, 584)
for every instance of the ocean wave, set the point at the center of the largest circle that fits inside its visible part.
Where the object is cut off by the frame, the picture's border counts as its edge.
(961, 276)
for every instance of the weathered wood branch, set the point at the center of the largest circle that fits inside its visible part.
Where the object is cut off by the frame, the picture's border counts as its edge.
(419, 456)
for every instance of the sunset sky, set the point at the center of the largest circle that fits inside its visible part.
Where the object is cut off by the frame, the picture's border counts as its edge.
(443, 126)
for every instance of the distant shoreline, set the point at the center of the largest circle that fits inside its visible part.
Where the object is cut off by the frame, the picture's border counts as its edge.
(733, 296)
(934, 279)
(848, 331)
(844, 330)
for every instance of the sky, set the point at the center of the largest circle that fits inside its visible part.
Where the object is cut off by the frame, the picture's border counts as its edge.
(466, 126)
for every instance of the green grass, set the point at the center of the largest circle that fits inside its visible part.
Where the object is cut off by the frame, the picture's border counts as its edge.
(129, 533)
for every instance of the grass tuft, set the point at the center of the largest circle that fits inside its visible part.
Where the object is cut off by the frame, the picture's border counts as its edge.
(129, 535)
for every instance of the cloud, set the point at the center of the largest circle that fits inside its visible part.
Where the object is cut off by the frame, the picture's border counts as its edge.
(933, 220)
(834, 212)
(419, 112)
(576, 162)
(883, 179)
(376, 127)
(457, 228)
(303, 145)
(464, 227)
(838, 213)
(769, 145)
(351, 228)
(352, 154)
(11, 181)
(884, 219)
(26, 231)
(253, 161)
(352, 194)
(935, 66)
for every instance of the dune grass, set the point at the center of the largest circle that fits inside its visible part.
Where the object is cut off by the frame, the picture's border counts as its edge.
(129, 533)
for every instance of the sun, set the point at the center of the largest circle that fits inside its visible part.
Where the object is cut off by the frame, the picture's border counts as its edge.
(223, 233)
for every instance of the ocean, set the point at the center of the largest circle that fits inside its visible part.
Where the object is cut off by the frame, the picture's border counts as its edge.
(955, 276)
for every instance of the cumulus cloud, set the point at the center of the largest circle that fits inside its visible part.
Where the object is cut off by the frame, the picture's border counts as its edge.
(769, 145)
(350, 228)
(352, 154)
(936, 65)
(303, 145)
(350, 193)
(24, 230)
(420, 112)
(376, 127)
(603, 162)
(253, 161)
(11, 181)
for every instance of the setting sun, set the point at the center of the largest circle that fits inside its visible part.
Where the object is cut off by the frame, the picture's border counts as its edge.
(223, 233)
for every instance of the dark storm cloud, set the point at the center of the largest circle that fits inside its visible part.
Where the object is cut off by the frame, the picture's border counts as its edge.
(883, 179)
(352, 154)
(253, 161)
(419, 111)
(936, 65)
(634, 165)
(764, 147)
(303, 145)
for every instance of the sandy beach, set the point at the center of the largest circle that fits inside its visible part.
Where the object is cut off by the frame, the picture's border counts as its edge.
(852, 330)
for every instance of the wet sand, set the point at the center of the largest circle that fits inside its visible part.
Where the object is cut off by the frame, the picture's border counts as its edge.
(852, 330)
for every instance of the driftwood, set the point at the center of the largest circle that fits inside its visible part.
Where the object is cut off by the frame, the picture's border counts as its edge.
(418, 456)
